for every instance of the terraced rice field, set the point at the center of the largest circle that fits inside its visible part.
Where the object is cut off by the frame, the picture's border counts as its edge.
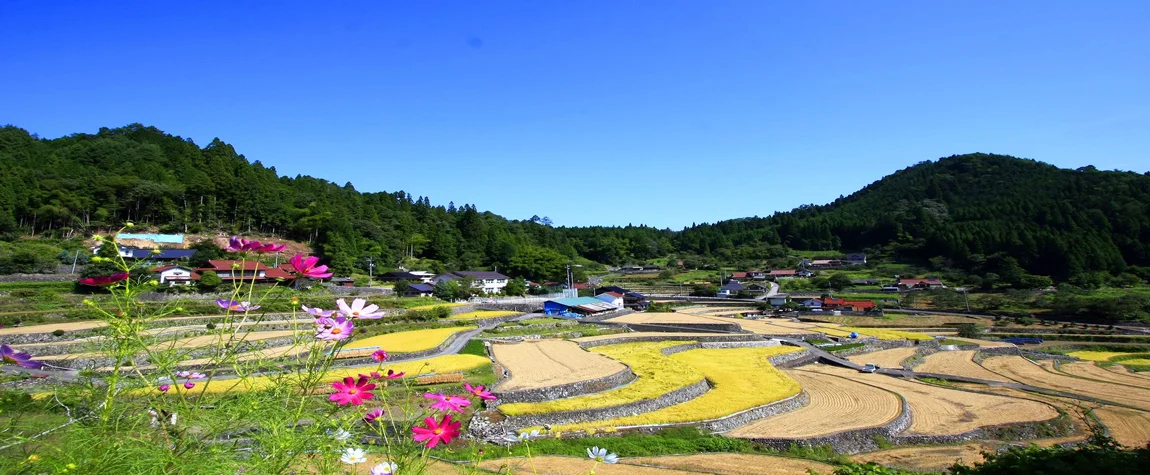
(481, 315)
(890, 335)
(733, 464)
(932, 459)
(762, 326)
(407, 342)
(732, 390)
(432, 306)
(559, 465)
(1095, 355)
(984, 343)
(437, 365)
(1088, 369)
(901, 320)
(942, 411)
(679, 336)
(657, 374)
(836, 404)
(957, 363)
(891, 358)
(1019, 369)
(1129, 427)
(51, 327)
(662, 317)
(538, 364)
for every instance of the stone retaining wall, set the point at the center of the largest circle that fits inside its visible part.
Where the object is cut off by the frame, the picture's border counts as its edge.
(738, 344)
(998, 351)
(514, 307)
(1038, 355)
(1012, 431)
(687, 327)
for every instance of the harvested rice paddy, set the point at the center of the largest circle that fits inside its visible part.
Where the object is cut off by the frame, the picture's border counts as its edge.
(408, 342)
(891, 358)
(733, 391)
(482, 315)
(679, 336)
(558, 465)
(1022, 370)
(733, 464)
(933, 459)
(1088, 369)
(542, 363)
(836, 404)
(657, 374)
(957, 363)
(941, 411)
(1129, 427)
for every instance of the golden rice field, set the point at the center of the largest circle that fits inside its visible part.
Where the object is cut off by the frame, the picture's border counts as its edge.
(836, 404)
(1096, 355)
(542, 363)
(1129, 427)
(657, 374)
(733, 464)
(942, 411)
(409, 341)
(434, 305)
(679, 336)
(482, 315)
(891, 358)
(957, 363)
(900, 320)
(764, 326)
(1138, 362)
(892, 335)
(51, 327)
(436, 365)
(1022, 370)
(742, 379)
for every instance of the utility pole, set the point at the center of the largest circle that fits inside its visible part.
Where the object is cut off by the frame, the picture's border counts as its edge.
(966, 299)
(370, 270)
(74, 260)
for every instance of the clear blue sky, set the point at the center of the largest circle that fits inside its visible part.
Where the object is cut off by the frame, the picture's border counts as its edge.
(596, 112)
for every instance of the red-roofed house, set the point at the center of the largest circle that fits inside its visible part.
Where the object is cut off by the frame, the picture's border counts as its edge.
(737, 276)
(927, 283)
(784, 274)
(237, 270)
(831, 303)
(859, 305)
(175, 275)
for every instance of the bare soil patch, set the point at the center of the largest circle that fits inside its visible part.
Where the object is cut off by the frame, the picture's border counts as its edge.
(542, 363)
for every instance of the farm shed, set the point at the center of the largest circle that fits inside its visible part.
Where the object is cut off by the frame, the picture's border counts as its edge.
(583, 305)
(613, 298)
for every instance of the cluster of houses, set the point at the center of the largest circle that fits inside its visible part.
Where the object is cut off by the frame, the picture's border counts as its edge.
(227, 270)
(831, 304)
(606, 299)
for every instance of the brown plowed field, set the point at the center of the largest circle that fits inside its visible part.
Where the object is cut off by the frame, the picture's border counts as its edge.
(891, 358)
(1088, 369)
(1129, 427)
(957, 363)
(836, 404)
(942, 411)
(733, 464)
(932, 459)
(1023, 371)
(542, 363)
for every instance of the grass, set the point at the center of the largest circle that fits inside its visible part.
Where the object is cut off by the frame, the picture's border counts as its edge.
(582, 329)
(410, 341)
(474, 347)
(657, 374)
(838, 348)
(482, 315)
(732, 391)
(892, 335)
(434, 305)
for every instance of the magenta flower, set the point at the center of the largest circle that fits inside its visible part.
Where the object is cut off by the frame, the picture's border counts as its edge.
(271, 247)
(333, 329)
(371, 375)
(391, 374)
(190, 375)
(479, 392)
(165, 387)
(308, 268)
(317, 312)
(104, 280)
(236, 306)
(24, 360)
(433, 433)
(379, 355)
(357, 309)
(189, 385)
(352, 391)
(447, 403)
(239, 244)
(372, 415)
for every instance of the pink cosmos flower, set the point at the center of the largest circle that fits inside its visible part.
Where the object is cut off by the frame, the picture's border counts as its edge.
(271, 247)
(239, 244)
(479, 392)
(308, 268)
(165, 387)
(333, 329)
(352, 391)
(317, 312)
(447, 403)
(236, 306)
(358, 310)
(189, 385)
(372, 415)
(104, 280)
(391, 374)
(24, 360)
(433, 433)
(379, 355)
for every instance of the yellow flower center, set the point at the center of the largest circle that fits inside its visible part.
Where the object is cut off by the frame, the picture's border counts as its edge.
(336, 331)
(352, 391)
(437, 432)
(355, 314)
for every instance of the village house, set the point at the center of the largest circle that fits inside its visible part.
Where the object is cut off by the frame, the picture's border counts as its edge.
(756, 288)
(856, 259)
(419, 290)
(172, 276)
(232, 270)
(730, 289)
(613, 298)
(737, 277)
(928, 283)
(784, 274)
(757, 275)
(489, 282)
(859, 305)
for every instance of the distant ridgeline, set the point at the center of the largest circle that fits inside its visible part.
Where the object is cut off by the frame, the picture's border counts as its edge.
(980, 213)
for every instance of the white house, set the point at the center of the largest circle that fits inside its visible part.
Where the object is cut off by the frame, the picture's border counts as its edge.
(489, 282)
(424, 276)
(613, 298)
(175, 275)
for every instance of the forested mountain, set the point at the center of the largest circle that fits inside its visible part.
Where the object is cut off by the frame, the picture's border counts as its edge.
(980, 213)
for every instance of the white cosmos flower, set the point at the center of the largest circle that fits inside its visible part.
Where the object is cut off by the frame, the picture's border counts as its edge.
(353, 455)
(385, 468)
(339, 434)
(600, 455)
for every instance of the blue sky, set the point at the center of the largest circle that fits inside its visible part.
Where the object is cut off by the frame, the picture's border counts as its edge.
(596, 112)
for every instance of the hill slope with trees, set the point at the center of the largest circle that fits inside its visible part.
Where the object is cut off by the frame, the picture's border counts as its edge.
(992, 215)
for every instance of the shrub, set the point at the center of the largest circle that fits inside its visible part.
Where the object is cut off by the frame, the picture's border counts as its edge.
(211, 326)
(58, 332)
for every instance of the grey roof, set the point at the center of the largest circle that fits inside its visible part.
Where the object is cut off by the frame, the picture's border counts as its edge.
(480, 274)
(421, 287)
(733, 286)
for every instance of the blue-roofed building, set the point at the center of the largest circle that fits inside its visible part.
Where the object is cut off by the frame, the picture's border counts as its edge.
(730, 289)
(419, 290)
(576, 305)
